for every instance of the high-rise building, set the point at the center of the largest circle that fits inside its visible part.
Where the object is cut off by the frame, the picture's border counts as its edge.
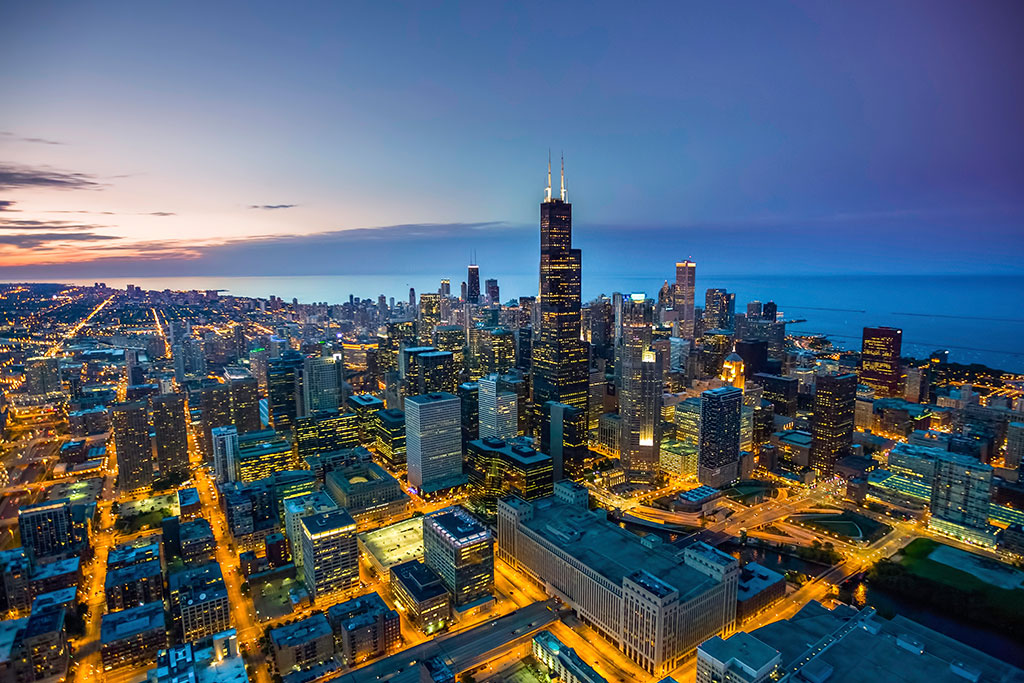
(433, 439)
(719, 447)
(493, 293)
(284, 389)
(683, 297)
(560, 364)
(321, 384)
(640, 410)
(390, 437)
(130, 423)
(782, 392)
(452, 338)
(563, 436)
(498, 467)
(42, 375)
(733, 372)
(326, 432)
(170, 433)
(298, 507)
(835, 400)
(245, 404)
(473, 284)
(498, 410)
(214, 400)
(498, 347)
(330, 554)
(461, 550)
(880, 361)
(719, 309)
(655, 604)
(225, 453)
(754, 353)
(429, 317)
(47, 529)
(1014, 445)
(770, 311)
(961, 498)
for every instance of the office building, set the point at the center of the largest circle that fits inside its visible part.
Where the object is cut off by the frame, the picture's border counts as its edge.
(365, 407)
(564, 434)
(224, 445)
(326, 432)
(655, 608)
(297, 507)
(199, 602)
(961, 498)
(559, 363)
(473, 284)
(303, 644)
(197, 543)
(719, 310)
(683, 292)
(562, 662)
(170, 434)
(214, 401)
(330, 555)
(498, 410)
(499, 468)
(452, 338)
(47, 530)
(284, 389)
(261, 454)
(368, 492)
(461, 550)
(754, 354)
(640, 412)
(133, 585)
(134, 448)
(782, 392)
(321, 384)
(1014, 445)
(132, 637)
(719, 441)
(390, 437)
(364, 628)
(433, 439)
(245, 403)
(420, 594)
(880, 366)
(469, 399)
(835, 399)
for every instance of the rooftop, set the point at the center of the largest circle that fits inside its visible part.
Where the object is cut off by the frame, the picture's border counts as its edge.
(301, 632)
(457, 525)
(754, 579)
(189, 496)
(427, 399)
(608, 549)
(419, 580)
(741, 647)
(9, 630)
(130, 622)
(131, 573)
(328, 522)
(395, 543)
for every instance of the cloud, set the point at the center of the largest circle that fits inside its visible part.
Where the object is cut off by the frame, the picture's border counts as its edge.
(39, 141)
(25, 224)
(44, 239)
(6, 204)
(12, 176)
(271, 207)
(159, 213)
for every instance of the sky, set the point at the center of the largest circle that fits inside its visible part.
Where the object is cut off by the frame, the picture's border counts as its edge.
(269, 138)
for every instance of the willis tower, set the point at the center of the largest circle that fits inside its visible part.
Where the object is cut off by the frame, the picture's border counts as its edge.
(560, 364)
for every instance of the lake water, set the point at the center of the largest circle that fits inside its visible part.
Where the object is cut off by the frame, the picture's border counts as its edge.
(977, 317)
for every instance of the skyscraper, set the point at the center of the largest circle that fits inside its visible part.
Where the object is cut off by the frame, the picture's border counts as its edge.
(245, 404)
(835, 399)
(321, 384)
(640, 410)
(433, 438)
(330, 554)
(719, 310)
(47, 529)
(683, 296)
(461, 550)
(498, 414)
(170, 433)
(880, 361)
(130, 424)
(961, 498)
(429, 317)
(493, 293)
(225, 452)
(563, 436)
(560, 367)
(284, 387)
(719, 448)
(473, 284)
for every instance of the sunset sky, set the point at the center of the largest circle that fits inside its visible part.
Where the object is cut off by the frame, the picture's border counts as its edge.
(314, 138)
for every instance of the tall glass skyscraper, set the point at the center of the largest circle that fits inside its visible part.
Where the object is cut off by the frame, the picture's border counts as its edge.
(719, 447)
(683, 296)
(560, 371)
(880, 361)
(473, 284)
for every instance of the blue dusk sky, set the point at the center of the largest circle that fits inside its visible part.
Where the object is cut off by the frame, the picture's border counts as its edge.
(280, 138)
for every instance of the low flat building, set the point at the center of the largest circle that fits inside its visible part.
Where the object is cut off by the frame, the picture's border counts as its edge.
(133, 636)
(419, 592)
(844, 645)
(364, 628)
(392, 545)
(759, 588)
(625, 587)
(368, 492)
(562, 661)
(303, 644)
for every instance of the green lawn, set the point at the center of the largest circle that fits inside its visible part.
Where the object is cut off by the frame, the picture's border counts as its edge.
(848, 525)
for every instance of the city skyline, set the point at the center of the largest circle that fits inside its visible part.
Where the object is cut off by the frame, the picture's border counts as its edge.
(180, 156)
